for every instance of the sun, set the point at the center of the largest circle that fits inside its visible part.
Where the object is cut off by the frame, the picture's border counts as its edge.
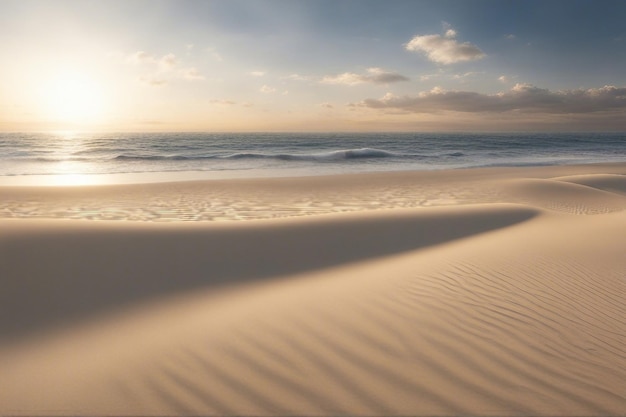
(74, 98)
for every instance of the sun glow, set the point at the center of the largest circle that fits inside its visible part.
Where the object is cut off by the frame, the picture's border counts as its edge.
(74, 98)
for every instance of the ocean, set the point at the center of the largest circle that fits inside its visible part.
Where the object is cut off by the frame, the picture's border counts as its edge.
(223, 155)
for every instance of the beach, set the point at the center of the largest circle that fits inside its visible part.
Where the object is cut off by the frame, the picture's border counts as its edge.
(484, 291)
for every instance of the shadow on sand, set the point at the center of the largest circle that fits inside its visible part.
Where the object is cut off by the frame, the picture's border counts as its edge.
(57, 272)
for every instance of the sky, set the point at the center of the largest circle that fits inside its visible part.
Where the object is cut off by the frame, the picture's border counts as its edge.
(291, 65)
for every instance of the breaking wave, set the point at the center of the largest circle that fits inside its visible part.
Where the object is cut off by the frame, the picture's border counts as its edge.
(362, 153)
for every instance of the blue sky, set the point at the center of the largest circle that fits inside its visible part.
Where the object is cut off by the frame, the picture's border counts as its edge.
(313, 65)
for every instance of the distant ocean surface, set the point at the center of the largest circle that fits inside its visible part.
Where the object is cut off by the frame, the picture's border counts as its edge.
(285, 154)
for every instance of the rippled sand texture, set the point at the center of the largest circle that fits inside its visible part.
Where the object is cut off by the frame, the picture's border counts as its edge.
(509, 306)
(230, 199)
(287, 197)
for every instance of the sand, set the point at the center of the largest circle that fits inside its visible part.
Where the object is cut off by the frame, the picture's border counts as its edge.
(467, 292)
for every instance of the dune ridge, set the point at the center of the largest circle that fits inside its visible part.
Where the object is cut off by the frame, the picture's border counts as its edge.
(511, 305)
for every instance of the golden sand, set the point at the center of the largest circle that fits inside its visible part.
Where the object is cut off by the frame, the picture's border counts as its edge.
(472, 292)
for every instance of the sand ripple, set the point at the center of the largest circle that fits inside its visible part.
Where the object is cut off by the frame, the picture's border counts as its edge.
(528, 334)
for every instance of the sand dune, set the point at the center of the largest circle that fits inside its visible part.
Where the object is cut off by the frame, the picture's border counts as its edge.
(608, 182)
(511, 305)
(565, 196)
(101, 265)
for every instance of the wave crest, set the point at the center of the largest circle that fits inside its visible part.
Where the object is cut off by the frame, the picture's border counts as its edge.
(362, 153)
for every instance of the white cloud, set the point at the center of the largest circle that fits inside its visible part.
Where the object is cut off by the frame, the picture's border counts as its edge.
(427, 77)
(164, 69)
(465, 75)
(522, 97)
(373, 75)
(447, 75)
(444, 49)
(191, 74)
(165, 63)
(141, 57)
(152, 82)
(257, 73)
(168, 62)
(510, 36)
(450, 34)
(223, 102)
(297, 77)
(267, 89)
(503, 79)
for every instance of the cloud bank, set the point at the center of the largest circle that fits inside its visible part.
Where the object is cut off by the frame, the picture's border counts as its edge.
(522, 97)
(372, 76)
(444, 49)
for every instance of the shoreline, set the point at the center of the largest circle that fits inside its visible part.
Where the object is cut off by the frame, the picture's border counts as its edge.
(74, 179)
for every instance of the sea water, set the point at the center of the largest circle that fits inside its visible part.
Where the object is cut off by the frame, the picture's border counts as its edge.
(287, 154)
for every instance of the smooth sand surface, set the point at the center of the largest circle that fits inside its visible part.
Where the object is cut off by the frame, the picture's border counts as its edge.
(473, 292)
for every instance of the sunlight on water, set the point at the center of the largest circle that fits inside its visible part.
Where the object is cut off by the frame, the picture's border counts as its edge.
(55, 152)
(69, 170)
